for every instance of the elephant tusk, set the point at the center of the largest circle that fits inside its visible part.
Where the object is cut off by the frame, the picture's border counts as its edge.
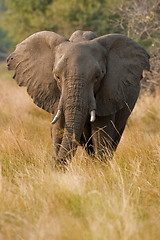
(56, 117)
(93, 116)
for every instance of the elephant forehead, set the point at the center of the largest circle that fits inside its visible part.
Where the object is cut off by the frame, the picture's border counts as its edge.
(78, 50)
(78, 55)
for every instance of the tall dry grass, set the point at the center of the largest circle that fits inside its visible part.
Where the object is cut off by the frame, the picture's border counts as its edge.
(91, 201)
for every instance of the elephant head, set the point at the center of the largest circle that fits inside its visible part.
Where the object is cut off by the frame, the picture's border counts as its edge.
(77, 77)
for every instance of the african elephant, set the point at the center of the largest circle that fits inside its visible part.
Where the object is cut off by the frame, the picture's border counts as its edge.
(89, 84)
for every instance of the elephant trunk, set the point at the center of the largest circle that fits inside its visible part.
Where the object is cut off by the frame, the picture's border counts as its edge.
(77, 104)
(76, 107)
(74, 124)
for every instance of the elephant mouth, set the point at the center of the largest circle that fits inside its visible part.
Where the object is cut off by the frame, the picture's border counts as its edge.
(92, 110)
(59, 113)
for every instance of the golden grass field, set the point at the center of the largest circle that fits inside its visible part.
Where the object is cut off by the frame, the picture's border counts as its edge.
(116, 200)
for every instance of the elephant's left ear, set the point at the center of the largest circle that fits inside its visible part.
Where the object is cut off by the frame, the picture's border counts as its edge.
(33, 62)
(125, 61)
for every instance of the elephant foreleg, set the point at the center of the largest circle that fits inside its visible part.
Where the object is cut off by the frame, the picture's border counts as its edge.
(120, 123)
(118, 135)
(103, 134)
(57, 130)
(86, 140)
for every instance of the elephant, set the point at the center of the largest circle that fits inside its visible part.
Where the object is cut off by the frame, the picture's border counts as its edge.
(89, 84)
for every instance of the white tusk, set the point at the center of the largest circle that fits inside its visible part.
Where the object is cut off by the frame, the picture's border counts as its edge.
(93, 116)
(56, 117)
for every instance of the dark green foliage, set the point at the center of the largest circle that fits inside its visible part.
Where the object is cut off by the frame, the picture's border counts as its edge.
(136, 19)
(4, 44)
(2, 5)
(22, 18)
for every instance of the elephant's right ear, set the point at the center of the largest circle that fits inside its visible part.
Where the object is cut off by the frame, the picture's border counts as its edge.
(33, 62)
(125, 61)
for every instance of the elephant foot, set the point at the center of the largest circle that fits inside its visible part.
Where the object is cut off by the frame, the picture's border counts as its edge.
(104, 154)
(62, 165)
(59, 164)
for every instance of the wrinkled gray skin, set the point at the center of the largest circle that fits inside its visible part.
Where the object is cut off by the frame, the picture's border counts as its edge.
(77, 76)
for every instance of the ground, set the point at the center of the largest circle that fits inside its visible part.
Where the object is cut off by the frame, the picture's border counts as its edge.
(119, 199)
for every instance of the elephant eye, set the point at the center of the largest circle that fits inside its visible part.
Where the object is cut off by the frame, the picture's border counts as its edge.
(97, 76)
(57, 77)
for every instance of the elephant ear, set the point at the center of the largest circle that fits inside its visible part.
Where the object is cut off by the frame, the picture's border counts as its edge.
(79, 36)
(33, 62)
(125, 61)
